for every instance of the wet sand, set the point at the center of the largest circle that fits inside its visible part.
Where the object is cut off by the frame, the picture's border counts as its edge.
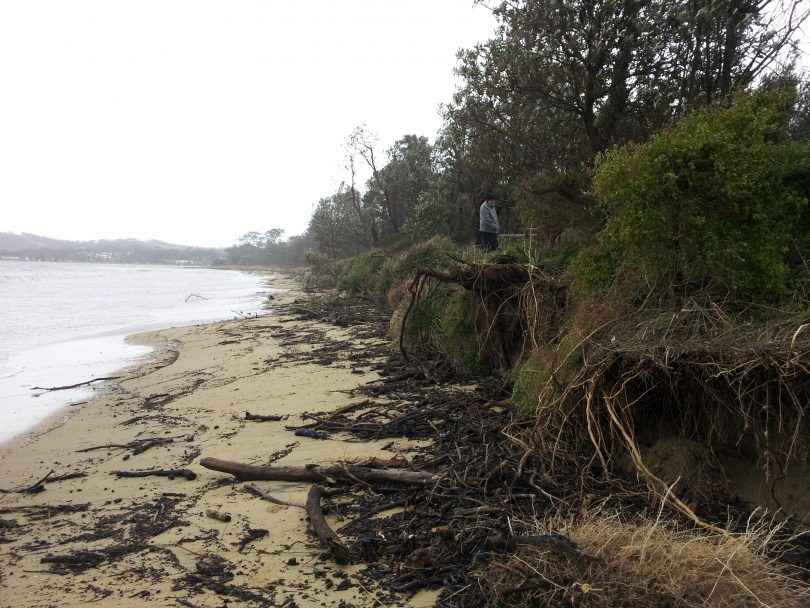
(149, 541)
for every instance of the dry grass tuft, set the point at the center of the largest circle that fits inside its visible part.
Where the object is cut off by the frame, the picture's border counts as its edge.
(647, 565)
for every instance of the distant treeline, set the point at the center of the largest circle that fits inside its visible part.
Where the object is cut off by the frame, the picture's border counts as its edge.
(122, 251)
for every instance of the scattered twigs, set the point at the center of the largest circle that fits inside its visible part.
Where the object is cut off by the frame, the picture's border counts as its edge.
(138, 446)
(479, 511)
(170, 473)
(142, 447)
(316, 474)
(252, 534)
(384, 507)
(263, 418)
(77, 385)
(325, 534)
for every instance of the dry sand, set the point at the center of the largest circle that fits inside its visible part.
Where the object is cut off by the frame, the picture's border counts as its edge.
(153, 532)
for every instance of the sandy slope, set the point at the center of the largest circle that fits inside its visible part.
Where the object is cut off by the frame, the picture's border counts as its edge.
(155, 538)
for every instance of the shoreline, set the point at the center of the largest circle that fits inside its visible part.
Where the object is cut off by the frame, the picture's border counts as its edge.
(191, 398)
(99, 350)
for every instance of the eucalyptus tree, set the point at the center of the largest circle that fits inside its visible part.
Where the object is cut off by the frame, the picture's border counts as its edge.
(395, 186)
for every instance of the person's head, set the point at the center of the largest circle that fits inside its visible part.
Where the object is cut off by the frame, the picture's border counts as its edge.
(490, 199)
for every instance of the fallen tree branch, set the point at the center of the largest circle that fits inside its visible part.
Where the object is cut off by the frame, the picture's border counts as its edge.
(170, 473)
(33, 488)
(66, 476)
(325, 534)
(77, 385)
(262, 494)
(138, 446)
(141, 448)
(316, 474)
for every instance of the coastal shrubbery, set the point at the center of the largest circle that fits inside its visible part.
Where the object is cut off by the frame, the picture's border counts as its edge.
(715, 198)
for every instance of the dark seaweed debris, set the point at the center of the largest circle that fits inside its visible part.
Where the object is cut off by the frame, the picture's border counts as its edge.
(490, 481)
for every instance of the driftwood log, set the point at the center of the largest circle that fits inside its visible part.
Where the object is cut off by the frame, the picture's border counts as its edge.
(322, 530)
(170, 473)
(78, 558)
(263, 418)
(317, 474)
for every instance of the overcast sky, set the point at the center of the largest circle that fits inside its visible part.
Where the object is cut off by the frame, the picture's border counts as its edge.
(194, 121)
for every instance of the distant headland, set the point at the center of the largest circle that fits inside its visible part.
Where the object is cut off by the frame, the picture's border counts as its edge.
(32, 247)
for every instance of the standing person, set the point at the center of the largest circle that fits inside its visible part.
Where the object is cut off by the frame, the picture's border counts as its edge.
(488, 225)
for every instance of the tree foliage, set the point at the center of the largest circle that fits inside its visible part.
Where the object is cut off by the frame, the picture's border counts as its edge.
(558, 83)
(712, 197)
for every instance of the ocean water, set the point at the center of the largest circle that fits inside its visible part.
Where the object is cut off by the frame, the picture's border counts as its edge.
(65, 323)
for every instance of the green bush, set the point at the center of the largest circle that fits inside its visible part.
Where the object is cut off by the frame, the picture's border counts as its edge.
(709, 198)
(359, 275)
(322, 272)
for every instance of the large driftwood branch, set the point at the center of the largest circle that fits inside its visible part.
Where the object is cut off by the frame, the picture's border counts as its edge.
(322, 530)
(316, 474)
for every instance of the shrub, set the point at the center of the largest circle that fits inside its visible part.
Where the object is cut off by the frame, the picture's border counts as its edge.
(322, 272)
(708, 198)
(359, 275)
(434, 254)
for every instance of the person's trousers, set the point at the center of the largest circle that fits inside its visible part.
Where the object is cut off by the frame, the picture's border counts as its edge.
(488, 240)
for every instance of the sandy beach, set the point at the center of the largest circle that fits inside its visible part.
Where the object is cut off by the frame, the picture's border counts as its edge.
(153, 541)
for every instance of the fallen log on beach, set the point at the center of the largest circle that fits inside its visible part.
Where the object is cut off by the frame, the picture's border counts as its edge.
(317, 474)
(91, 558)
(170, 473)
(322, 530)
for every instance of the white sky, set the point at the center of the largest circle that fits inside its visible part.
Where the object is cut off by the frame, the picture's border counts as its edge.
(194, 121)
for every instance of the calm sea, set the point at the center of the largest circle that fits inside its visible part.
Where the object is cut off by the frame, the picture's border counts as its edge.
(65, 323)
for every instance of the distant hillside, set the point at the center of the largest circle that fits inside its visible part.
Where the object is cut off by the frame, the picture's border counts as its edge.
(123, 251)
